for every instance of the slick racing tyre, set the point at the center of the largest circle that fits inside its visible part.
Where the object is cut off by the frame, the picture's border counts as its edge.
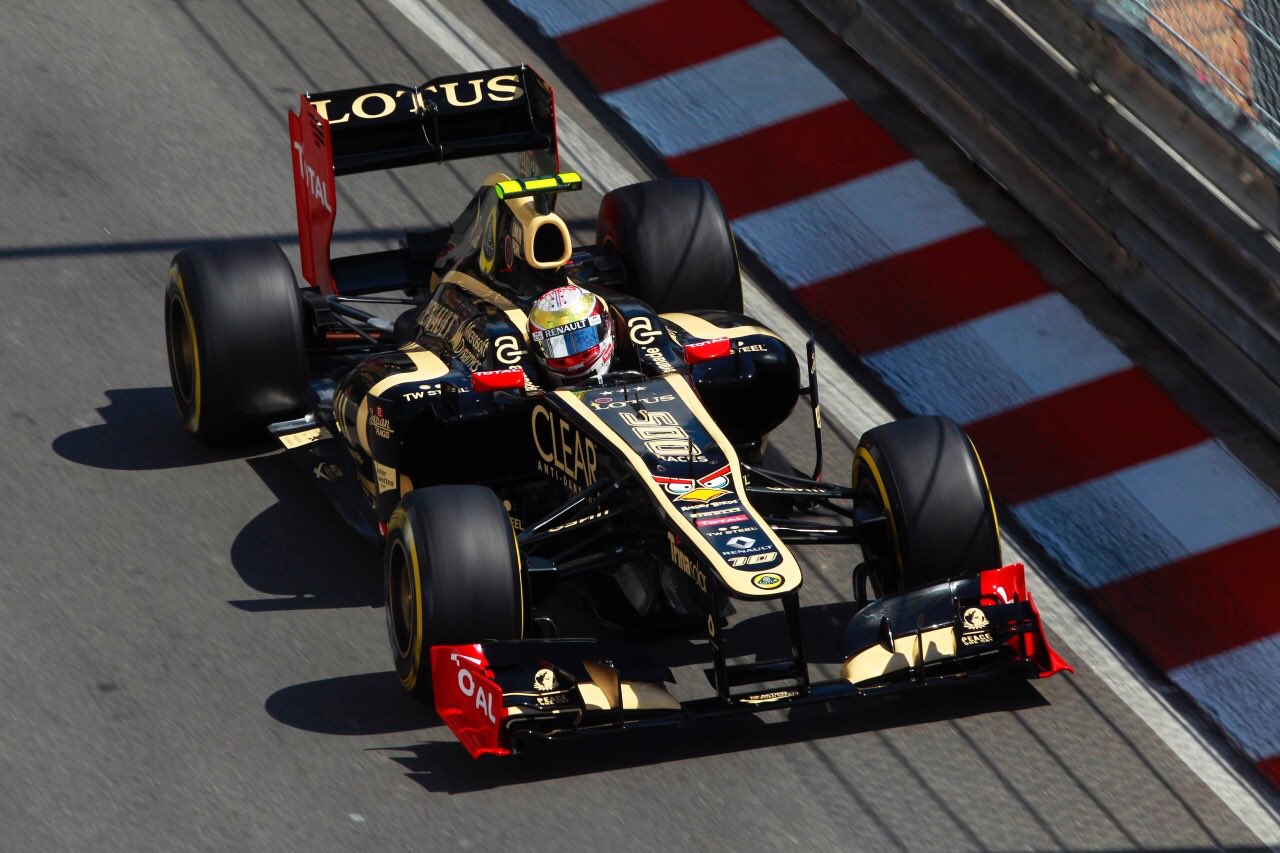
(233, 326)
(924, 474)
(452, 574)
(675, 244)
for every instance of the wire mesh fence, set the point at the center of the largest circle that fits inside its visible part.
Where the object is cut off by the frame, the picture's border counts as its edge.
(1230, 46)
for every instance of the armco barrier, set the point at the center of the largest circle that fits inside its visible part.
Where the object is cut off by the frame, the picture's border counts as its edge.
(1140, 182)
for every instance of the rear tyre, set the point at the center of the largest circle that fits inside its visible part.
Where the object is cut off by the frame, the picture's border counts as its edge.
(924, 474)
(453, 575)
(675, 244)
(233, 328)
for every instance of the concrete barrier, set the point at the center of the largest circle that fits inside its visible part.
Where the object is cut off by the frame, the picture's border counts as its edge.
(1088, 131)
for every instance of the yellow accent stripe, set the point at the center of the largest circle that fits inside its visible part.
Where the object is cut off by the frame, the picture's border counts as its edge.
(995, 519)
(519, 578)
(512, 188)
(479, 289)
(427, 366)
(864, 458)
(194, 423)
(700, 327)
(400, 521)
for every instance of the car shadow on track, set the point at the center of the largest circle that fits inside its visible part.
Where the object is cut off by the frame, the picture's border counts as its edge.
(374, 704)
(368, 704)
(140, 432)
(300, 551)
(445, 767)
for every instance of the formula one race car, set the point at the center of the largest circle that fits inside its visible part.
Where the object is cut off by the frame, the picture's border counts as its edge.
(541, 414)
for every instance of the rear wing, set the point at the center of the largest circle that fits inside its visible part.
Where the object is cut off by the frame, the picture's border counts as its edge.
(390, 125)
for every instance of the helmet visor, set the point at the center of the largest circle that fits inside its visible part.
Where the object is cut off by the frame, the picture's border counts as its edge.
(571, 339)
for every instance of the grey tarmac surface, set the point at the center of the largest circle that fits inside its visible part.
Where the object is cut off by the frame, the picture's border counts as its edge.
(194, 647)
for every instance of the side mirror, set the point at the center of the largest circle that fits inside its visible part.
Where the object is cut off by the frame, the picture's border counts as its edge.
(511, 379)
(707, 350)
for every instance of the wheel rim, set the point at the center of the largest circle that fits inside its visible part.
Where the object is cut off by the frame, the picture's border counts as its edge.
(181, 352)
(403, 606)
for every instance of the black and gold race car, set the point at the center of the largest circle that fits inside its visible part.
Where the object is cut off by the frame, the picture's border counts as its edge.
(491, 486)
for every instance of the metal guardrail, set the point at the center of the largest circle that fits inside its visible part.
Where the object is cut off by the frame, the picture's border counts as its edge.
(1139, 169)
(1229, 46)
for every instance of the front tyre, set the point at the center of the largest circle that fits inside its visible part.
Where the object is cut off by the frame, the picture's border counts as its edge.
(675, 243)
(924, 475)
(453, 575)
(233, 329)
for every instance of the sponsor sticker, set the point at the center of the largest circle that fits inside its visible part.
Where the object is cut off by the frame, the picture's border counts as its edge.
(506, 350)
(713, 508)
(642, 331)
(386, 477)
(975, 625)
(767, 580)
(686, 564)
(767, 555)
(607, 402)
(655, 355)
(489, 246)
(425, 390)
(770, 696)
(717, 520)
(702, 490)
(300, 439)
(380, 424)
(662, 435)
(564, 453)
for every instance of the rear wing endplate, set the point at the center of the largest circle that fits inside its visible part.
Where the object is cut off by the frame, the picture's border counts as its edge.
(390, 125)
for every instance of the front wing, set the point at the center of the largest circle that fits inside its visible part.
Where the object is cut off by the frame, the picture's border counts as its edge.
(495, 695)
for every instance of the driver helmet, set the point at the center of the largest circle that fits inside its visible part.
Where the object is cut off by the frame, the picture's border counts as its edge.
(571, 333)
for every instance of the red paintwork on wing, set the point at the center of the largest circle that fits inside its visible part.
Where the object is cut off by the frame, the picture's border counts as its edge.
(1009, 584)
(315, 192)
(468, 699)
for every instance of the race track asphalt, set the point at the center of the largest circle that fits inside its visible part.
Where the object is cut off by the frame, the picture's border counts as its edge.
(194, 651)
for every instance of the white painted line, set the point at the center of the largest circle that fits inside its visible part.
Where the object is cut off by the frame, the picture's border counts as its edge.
(724, 97)
(1189, 738)
(557, 17)
(855, 409)
(999, 361)
(1147, 515)
(1239, 687)
(868, 219)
